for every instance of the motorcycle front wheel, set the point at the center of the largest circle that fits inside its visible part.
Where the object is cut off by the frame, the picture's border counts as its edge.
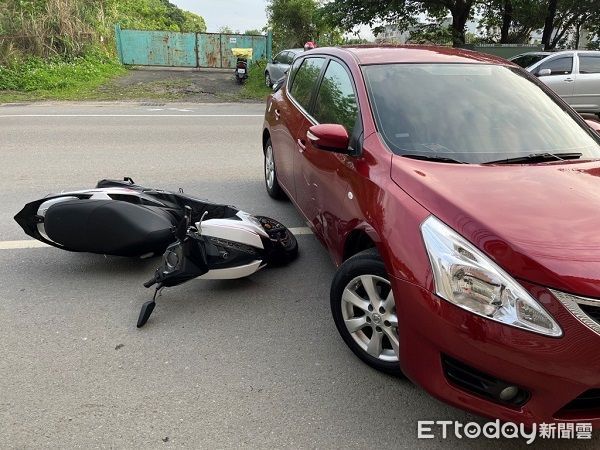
(284, 246)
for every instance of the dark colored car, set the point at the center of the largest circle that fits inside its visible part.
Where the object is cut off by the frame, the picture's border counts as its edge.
(460, 199)
(526, 60)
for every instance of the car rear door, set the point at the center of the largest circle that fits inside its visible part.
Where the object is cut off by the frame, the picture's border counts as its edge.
(290, 104)
(561, 79)
(586, 96)
(322, 178)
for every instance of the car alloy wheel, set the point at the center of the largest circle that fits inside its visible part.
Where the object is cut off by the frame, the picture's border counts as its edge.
(268, 81)
(370, 319)
(364, 311)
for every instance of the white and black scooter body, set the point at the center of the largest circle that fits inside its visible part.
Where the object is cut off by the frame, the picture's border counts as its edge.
(198, 239)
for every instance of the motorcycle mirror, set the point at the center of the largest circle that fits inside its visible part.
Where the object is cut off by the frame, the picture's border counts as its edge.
(184, 224)
(188, 216)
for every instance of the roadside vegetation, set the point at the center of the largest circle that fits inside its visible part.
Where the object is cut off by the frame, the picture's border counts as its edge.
(255, 87)
(64, 49)
(561, 22)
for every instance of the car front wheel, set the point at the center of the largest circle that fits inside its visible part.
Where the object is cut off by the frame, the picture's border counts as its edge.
(364, 311)
(268, 81)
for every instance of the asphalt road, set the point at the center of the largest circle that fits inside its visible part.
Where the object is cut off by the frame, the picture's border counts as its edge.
(249, 363)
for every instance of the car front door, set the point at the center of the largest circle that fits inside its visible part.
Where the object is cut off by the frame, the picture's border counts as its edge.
(322, 178)
(560, 79)
(586, 96)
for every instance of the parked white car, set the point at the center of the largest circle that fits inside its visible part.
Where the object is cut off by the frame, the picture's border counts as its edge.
(572, 74)
(280, 64)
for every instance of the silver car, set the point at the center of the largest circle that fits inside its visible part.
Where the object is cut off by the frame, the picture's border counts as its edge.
(572, 74)
(280, 64)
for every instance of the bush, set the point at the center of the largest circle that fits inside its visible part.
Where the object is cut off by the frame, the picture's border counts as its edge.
(255, 87)
(56, 73)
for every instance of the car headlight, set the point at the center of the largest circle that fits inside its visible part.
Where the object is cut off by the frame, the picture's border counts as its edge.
(464, 276)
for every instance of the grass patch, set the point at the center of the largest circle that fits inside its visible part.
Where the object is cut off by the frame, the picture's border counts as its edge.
(255, 87)
(56, 78)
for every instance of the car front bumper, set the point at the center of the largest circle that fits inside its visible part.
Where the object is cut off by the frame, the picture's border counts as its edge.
(552, 371)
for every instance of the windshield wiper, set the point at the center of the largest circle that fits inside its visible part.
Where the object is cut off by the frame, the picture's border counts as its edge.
(537, 157)
(434, 158)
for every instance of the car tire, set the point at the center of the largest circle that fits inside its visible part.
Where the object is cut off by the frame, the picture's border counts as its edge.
(364, 312)
(268, 81)
(271, 183)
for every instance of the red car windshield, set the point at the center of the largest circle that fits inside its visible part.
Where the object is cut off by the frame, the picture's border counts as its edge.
(472, 113)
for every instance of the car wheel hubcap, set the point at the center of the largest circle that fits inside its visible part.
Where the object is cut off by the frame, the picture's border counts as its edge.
(369, 314)
(268, 80)
(269, 167)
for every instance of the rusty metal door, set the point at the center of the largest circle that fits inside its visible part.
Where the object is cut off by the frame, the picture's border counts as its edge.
(157, 48)
(209, 50)
(215, 49)
(231, 41)
(173, 49)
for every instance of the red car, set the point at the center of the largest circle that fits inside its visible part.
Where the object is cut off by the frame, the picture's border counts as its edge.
(460, 199)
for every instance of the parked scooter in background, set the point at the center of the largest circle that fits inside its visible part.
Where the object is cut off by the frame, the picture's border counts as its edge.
(241, 66)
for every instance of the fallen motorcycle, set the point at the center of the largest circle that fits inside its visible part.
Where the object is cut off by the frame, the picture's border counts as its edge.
(198, 239)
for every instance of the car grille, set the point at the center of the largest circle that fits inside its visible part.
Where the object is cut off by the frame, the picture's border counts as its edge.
(481, 384)
(587, 402)
(586, 310)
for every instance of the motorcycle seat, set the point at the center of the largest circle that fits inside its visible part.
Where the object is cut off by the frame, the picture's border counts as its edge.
(109, 227)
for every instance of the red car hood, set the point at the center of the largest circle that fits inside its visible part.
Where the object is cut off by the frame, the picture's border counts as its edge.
(540, 223)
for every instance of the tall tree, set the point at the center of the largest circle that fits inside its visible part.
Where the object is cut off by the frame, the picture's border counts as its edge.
(295, 22)
(349, 13)
(549, 23)
(511, 21)
(568, 16)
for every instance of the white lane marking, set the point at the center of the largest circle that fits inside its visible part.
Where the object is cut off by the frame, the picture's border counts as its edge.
(15, 245)
(31, 243)
(301, 230)
(130, 115)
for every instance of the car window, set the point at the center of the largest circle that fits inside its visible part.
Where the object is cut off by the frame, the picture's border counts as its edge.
(527, 60)
(558, 66)
(289, 57)
(293, 54)
(472, 113)
(336, 101)
(279, 58)
(589, 64)
(285, 58)
(305, 79)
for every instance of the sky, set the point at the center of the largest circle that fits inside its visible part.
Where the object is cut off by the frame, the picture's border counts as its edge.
(239, 15)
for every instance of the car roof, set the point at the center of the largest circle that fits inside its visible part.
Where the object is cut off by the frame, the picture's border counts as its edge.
(535, 54)
(384, 54)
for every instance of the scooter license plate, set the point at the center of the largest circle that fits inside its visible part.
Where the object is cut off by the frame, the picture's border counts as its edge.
(241, 71)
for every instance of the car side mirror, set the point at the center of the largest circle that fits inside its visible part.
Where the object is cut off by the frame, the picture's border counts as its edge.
(329, 137)
(544, 72)
(593, 125)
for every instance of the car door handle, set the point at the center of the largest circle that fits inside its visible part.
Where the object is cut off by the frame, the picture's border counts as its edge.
(569, 80)
(277, 114)
(302, 144)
